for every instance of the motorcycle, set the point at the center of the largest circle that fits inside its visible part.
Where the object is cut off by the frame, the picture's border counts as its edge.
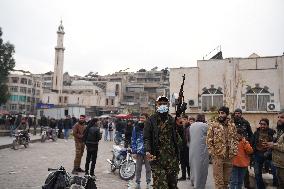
(48, 133)
(123, 161)
(57, 179)
(21, 138)
(61, 179)
(119, 138)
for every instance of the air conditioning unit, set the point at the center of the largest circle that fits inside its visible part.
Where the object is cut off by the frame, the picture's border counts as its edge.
(273, 107)
(192, 103)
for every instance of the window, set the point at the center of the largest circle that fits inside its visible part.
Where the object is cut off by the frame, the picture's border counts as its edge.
(116, 89)
(38, 84)
(13, 106)
(15, 79)
(37, 92)
(22, 98)
(112, 102)
(211, 99)
(23, 89)
(60, 99)
(107, 101)
(24, 81)
(30, 82)
(65, 99)
(22, 106)
(257, 99)
(29, 90)
(13, 89)
(13, 98)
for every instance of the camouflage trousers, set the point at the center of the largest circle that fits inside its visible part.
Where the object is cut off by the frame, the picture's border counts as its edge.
(222, 170)
(164, 178)
(79, 147)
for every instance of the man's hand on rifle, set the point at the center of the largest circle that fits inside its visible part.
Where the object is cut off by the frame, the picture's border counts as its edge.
(180, 121)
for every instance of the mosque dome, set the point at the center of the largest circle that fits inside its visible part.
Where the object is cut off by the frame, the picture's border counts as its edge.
(81, 83)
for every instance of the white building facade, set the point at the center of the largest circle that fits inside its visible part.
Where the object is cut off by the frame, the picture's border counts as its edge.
(254, 84)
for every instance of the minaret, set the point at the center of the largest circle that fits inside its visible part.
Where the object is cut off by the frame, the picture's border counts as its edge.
(59, 60)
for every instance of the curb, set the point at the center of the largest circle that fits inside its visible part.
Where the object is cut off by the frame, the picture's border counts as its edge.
(10, 145)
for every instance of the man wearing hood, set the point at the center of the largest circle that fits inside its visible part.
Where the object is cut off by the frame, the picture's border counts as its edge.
(161, 142)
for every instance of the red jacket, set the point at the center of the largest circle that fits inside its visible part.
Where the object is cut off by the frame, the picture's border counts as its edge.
(242, 158)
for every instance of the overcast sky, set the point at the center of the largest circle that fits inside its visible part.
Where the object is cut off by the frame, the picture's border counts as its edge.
(109, 35)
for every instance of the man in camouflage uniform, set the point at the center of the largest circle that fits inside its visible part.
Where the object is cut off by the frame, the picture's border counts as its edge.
(161, 144)
(223, 146)
(278, 150)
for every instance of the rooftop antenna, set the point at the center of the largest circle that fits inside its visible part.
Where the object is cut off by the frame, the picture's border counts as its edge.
(218, 49)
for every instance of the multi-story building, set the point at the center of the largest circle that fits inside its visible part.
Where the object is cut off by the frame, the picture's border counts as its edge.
(25, 92)
(254, 84)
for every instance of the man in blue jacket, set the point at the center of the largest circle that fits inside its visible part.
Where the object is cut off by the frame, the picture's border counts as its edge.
(138, 150)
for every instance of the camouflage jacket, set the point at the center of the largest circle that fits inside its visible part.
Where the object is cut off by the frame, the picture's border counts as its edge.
(278, 152)
(216, 140)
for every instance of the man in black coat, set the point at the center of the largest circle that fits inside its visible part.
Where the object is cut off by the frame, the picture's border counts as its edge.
(91, 137)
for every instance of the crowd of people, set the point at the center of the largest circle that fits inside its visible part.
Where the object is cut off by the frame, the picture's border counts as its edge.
(165, 145)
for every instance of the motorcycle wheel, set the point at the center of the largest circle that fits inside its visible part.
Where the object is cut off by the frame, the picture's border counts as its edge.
(112, 167)
(116, 141)
(15, 144)
(43, 138)
(54, 137)
(127, 170)
(26, 143)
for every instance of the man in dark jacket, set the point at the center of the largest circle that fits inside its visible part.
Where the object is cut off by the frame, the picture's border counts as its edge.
(161, 141)
(184, 150)
(91, 138)
(128, 133)
(261, 137)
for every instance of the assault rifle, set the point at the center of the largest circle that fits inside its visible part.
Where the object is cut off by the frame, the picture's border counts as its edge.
(181, 105)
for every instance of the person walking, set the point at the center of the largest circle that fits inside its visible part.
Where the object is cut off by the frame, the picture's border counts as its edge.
(241, 161)
(110, 130)
(91, 138)
(222, 145)
(161, 141)
(67, 127)
(198, 152)
(78, 132)
(138, 151)
(105, 126)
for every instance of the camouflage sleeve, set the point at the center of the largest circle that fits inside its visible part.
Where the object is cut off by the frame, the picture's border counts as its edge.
(209, 139)
(280, 145)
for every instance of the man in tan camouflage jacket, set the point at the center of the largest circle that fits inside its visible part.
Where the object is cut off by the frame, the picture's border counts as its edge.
(278, 150)
(222, 145)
